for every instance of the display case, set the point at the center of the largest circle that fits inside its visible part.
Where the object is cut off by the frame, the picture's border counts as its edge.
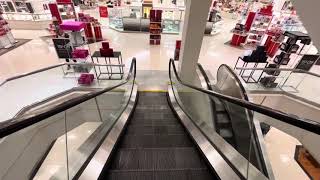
(135, 17)
(32, 10)
(115, 18)
(171, 18)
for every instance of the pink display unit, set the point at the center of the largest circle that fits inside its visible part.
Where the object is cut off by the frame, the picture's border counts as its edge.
(80, 53)
(86, 79)
(72, 25)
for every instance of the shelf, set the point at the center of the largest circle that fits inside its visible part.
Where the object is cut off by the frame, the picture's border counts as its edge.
(258, 29)
(155, 22)
(154, 28)
(254, 40)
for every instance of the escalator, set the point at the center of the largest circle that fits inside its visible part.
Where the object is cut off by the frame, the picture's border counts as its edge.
(117, 132)
(156, 146)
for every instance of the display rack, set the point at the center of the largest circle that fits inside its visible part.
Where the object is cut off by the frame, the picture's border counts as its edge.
(155, 26)
(6, 38)
(258, 28)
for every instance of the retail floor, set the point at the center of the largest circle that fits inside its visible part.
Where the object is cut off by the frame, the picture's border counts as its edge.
(40, 53)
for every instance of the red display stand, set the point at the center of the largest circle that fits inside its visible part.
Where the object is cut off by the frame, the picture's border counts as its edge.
(237, 39)
(97, 32)
(177, 50)
(272, 47)
(249, 20)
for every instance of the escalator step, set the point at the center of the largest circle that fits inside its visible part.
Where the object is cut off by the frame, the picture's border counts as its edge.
(163, 130)
(153, 122)
(154, 114)
(219, 105)
(179, 174)
(153, 107)
(225, 133)
(158, 159)
(155, 141)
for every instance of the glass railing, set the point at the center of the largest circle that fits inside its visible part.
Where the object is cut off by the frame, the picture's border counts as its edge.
(295, 82)
(27, 89)
(242, 144)
(58, 143)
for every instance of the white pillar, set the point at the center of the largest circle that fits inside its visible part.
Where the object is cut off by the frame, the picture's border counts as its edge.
(195, 19)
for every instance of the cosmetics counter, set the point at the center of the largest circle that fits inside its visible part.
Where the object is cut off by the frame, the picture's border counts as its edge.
(31, 14)
(131, 18)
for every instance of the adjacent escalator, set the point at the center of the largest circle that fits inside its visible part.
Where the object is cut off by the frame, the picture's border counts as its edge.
(155, 145)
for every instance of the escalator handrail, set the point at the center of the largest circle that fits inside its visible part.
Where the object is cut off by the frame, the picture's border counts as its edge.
(15, 124)
(302, 123)
(266, 168)
(48, 68)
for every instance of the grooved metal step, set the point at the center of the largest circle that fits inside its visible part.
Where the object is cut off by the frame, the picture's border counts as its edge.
(156, 141)
(157, 159)
(155, 146)
(154, 122)
(149, 129)
(179, 174)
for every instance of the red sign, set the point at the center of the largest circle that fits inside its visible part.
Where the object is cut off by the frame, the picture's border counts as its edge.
(55, 12)
(103, 10)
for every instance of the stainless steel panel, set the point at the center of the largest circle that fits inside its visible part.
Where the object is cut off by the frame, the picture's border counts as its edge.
(233, 156)
(221, 167)
(96, 164)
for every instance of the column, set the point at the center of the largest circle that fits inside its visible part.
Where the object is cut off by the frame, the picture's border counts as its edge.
(195, 20)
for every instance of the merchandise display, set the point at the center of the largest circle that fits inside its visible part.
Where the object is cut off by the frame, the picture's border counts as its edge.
(92, 27)
(256, 57)
(86, 79)
(259, 26)
(74, 29)
(177, 50)
(63, 10)
(106, 55)
(291, 46)
(155, 26)
(6, 38)
(36, 10)
(132, 18)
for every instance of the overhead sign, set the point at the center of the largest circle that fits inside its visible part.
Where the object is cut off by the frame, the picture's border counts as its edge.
(103, 10)
(63, 47)
(307, 61)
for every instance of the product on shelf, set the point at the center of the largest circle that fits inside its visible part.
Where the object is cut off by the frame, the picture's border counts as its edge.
(86, 79)
(80, 53)
(177, 50)
(155, 26)
(106, 51)
(257, 25)
(291, 46)
(92, 27)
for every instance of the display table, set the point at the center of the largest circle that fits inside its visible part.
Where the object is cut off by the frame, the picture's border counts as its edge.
(108, 65)
(249, 78)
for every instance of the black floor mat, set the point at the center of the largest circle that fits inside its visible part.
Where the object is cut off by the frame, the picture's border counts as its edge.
(19, 43)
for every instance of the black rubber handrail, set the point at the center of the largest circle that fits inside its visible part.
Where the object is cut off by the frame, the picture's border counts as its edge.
(246, 98)
(13, 125)
(302, 123)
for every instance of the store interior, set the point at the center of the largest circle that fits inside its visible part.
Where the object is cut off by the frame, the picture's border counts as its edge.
(248, 36)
